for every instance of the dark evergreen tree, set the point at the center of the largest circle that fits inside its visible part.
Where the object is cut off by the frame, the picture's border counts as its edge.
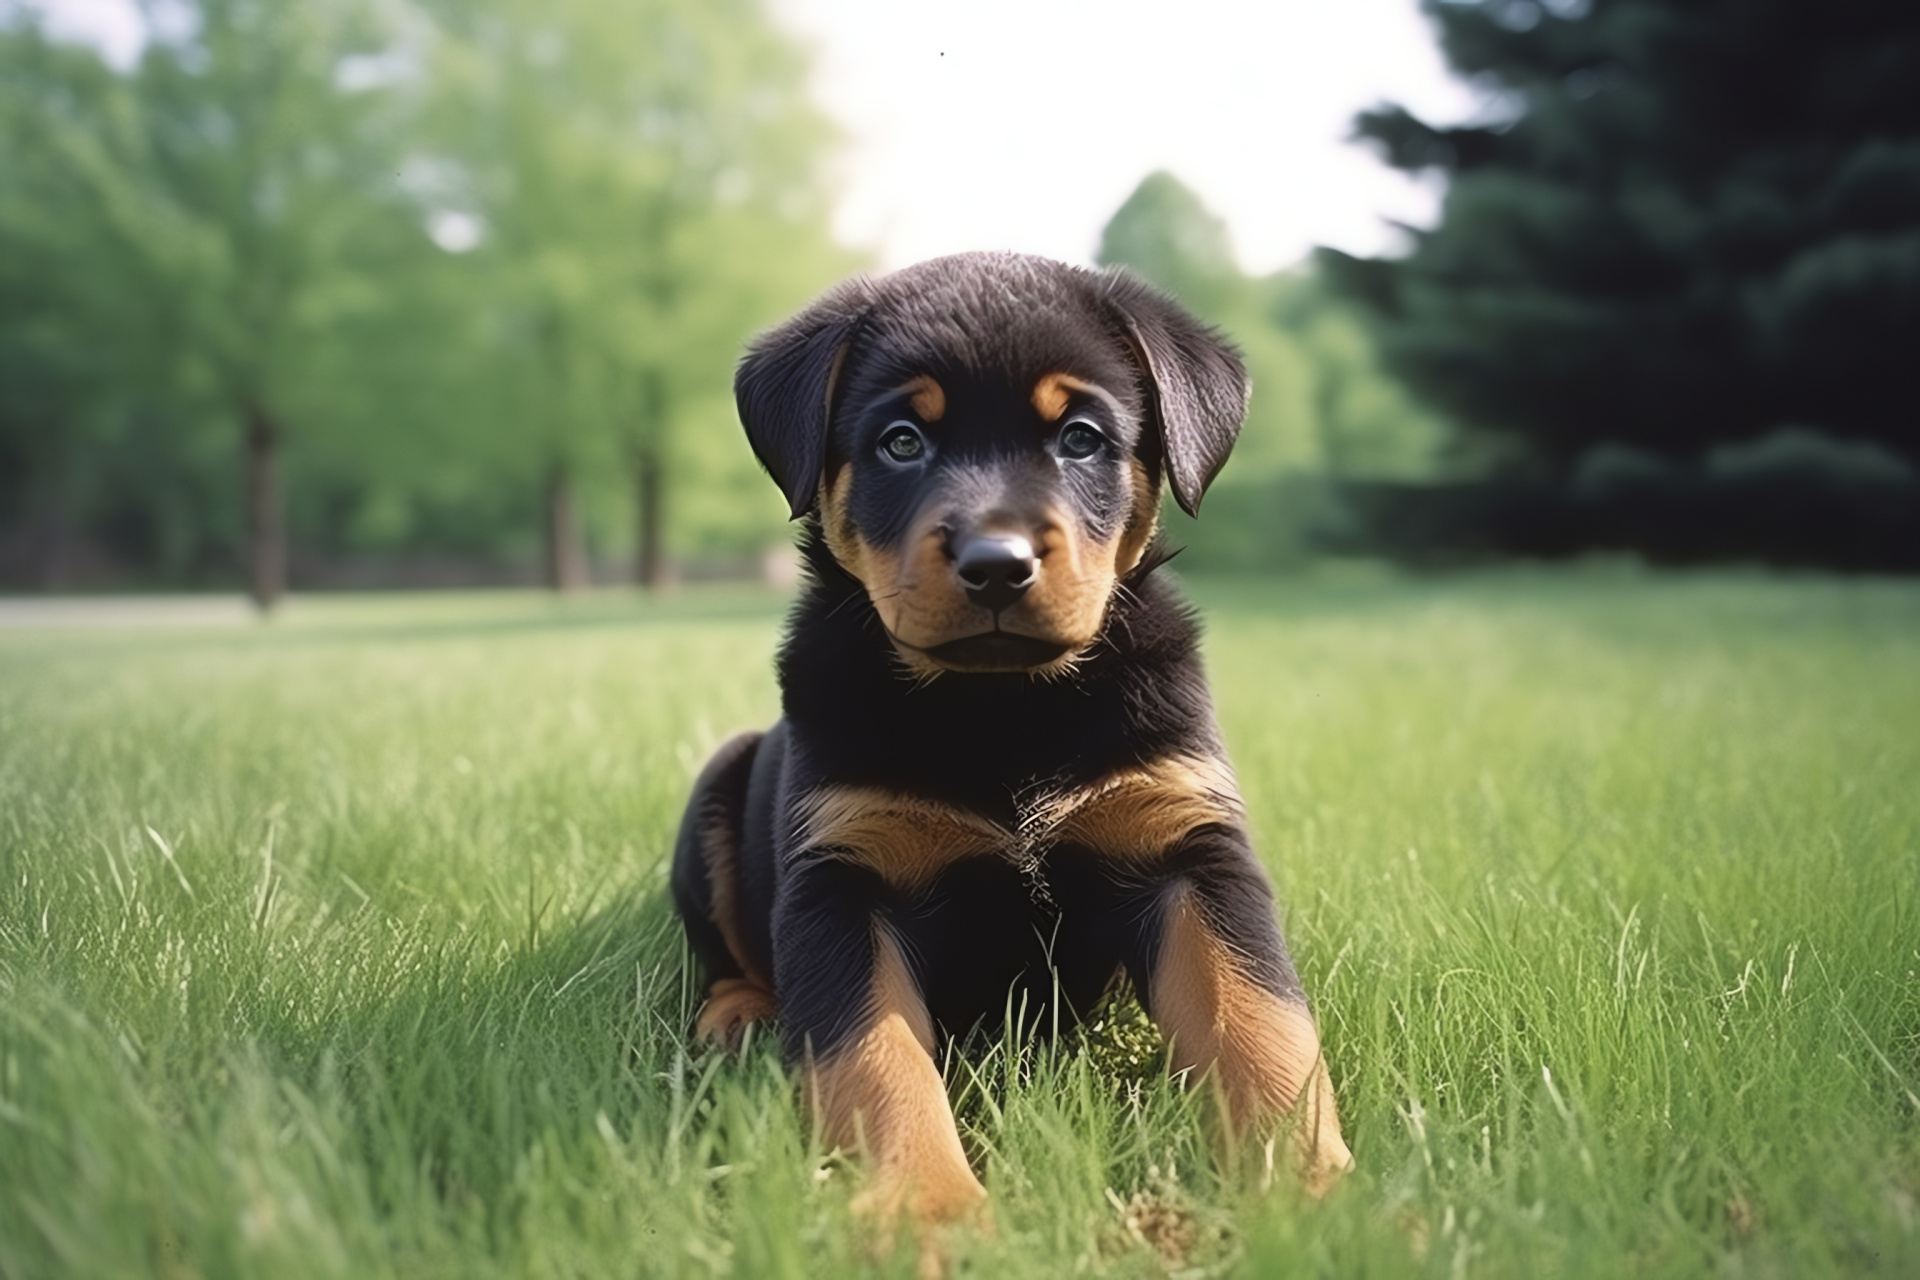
(1699, 224)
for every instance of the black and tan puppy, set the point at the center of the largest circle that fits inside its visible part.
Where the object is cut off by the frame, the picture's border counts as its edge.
(998, 780)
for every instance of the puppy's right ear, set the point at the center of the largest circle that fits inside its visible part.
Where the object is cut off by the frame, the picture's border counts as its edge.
(784, 389)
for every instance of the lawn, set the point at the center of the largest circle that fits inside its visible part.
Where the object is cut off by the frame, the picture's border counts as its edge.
(339, 946)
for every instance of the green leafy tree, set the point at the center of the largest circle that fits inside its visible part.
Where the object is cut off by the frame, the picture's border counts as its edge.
(1167, 235)
(52, 100)
(1323, 409)
(1321, 402)
(82, 309)
(1700, 223)
(423, 259)
(644, 177)
(1367, 425)
(279, 160)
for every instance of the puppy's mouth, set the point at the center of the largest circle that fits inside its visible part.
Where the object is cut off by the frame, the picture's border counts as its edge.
(996, 651)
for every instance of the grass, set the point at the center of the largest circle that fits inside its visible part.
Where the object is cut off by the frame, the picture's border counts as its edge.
(339, 947)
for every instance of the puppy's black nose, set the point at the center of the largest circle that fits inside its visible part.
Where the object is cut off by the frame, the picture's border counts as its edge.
(996, 568)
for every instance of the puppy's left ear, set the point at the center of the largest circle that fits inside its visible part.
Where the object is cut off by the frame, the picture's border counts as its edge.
(784, 389)
(1198, 385)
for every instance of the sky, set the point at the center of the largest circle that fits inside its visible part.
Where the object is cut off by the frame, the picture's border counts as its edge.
(1023, 124)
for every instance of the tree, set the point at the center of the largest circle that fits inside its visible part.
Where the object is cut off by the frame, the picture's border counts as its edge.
(646, 177)
(1167, 235)
(1164, 233)
(1701, 224)
(430, 256)
(1321, 404)
(280, 160)
(1323, 412)
(69, 234)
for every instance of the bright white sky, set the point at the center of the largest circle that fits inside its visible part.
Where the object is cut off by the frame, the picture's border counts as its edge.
(1022, 124)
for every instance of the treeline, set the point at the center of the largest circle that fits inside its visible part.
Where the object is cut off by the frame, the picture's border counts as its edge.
(1325, 416)
(327, 279)
(354, 291)
(342, 291)
(1674, 297)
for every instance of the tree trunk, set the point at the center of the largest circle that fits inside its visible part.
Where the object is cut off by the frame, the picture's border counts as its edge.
(566, 552)
(49, 541)
(266, 521)
(651, 568)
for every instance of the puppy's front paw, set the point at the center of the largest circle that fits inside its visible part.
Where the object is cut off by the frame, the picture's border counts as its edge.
(1322, 1161)
(929, 1199)
(934, 1206)
(1320, 1153)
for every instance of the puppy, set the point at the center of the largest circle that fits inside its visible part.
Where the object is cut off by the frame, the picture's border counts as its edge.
(998, 781)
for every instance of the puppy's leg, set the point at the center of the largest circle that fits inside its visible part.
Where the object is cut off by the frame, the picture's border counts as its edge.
(854, 1014)
(1223, 989)
(706, 889)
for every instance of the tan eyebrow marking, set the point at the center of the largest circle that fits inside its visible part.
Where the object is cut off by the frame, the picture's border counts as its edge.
(926, 396)
(1051, 394)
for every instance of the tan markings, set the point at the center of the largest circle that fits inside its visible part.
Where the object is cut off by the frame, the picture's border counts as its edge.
(919, 597)
(1142, 813)
(907, 840)
(1075, 584)
(882, 1094)
(1143, 517)
(1055, 391)
(719, 849)
(881, 570)
(922, 603)
(843, 540)
(1261, 1053)
(928, 398)
(732, 1005)
(833, 378)
(1136, 814)
(912, 587)
(1320, 1153)
(917, 594)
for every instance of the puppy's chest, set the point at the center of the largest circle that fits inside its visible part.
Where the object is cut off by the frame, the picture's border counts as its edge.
(1133, 815)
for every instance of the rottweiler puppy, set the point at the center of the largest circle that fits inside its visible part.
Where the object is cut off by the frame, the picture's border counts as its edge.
(998, 782)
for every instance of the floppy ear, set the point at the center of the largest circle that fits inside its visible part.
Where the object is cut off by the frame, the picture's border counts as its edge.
(784, 390)
(1198, 385)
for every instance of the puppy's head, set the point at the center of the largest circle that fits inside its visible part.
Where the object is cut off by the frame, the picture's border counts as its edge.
(983, 438)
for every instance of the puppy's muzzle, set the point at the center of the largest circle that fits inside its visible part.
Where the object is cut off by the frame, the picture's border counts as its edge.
(995, 568)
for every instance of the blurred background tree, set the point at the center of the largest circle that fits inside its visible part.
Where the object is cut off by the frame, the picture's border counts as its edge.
(1683, 253)
(459, 265)
(642, 180)
(83, 315)
(366, 292)
(1324, 412)
(276, 165)
(45, 418)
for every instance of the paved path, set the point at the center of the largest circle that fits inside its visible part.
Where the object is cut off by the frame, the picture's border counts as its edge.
(123, 611)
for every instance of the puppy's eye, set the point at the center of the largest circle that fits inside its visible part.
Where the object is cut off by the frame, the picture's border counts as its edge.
(902, 443)
(1080, 439)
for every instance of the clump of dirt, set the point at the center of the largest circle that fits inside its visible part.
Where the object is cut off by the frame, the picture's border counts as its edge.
(1162, 1218)
(1163, 1224)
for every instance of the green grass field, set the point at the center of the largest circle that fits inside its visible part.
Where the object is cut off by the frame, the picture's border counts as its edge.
(340, 947)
